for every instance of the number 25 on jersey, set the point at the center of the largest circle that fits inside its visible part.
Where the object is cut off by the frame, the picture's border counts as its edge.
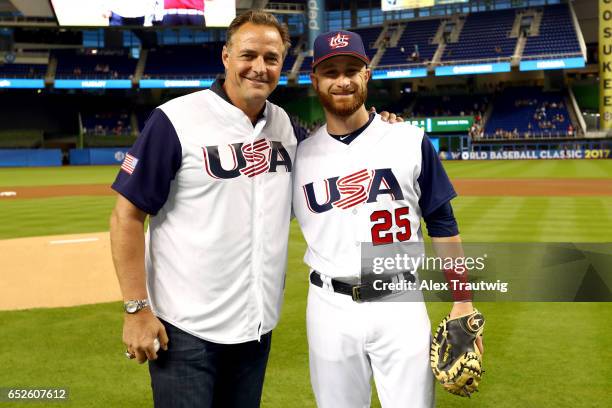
(383, 222)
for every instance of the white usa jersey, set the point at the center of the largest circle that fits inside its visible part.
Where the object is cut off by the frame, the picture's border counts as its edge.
(219, 193)
(375, 189)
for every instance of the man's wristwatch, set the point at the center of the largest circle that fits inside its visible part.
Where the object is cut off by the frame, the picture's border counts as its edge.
(134, 306)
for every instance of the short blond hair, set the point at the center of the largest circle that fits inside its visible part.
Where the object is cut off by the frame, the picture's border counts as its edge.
(260, 18)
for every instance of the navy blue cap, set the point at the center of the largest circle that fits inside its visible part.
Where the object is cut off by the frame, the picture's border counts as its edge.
(335, 43)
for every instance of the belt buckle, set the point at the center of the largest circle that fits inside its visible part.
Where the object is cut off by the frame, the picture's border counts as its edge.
(356, 295)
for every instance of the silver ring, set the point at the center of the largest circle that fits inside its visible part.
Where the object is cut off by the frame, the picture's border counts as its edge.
(129, 355)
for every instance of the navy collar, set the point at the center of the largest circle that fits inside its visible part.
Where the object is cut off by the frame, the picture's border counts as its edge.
(217, 88)
(349, 137)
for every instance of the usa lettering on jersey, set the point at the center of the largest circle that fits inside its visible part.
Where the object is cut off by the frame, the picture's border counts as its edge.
(354, 189)
(248, 159)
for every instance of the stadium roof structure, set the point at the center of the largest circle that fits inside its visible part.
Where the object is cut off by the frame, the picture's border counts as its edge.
(26, 8)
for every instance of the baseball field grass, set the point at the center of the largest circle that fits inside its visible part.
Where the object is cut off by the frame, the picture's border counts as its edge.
(536, 354)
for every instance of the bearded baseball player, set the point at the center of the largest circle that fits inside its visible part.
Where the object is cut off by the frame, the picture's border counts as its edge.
(359, 179)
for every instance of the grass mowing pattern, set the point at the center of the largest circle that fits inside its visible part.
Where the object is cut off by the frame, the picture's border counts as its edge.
(49, 176)
(534, 219)
(57, 176)
(54, 216)
(481, 219)
(529, 169)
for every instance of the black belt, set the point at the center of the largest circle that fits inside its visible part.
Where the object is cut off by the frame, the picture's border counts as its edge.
(362, 292)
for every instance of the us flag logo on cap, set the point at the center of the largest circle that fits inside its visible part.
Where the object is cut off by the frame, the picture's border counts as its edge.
(339, 41)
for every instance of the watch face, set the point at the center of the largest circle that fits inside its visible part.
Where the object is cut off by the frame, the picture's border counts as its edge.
(131, 307)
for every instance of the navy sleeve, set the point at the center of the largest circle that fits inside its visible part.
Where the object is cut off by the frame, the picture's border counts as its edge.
(441, 222)
(436, 188)
(146, 174)
(300, 133)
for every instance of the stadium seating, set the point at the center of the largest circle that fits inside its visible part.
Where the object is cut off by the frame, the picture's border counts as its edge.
(369, 37)
(532, 112)
(484, 36)
(557, 35)
(419, 33)
(71, 64)
(185, 61)
(450, 105)
(22, 70)
(306, 65)
(108, 123)
(291, 55)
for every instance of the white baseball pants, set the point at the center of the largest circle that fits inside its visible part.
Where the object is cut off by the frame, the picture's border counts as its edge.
(350, 341)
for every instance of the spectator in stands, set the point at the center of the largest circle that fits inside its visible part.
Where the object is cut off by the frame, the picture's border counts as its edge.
(77, 71)
(498, 50)
(387, 40)
(570, 130)
(415, 56)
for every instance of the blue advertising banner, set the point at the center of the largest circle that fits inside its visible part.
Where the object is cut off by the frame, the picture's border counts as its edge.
(92, 83)
(30, 157)
(401, 73)
(486, 68)
(22, 83)
(538, 65)
(176, 83)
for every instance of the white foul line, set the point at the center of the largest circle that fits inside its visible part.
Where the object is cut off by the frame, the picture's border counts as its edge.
(73, 241)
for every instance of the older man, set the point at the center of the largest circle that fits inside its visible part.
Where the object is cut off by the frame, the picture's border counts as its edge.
(213, 171)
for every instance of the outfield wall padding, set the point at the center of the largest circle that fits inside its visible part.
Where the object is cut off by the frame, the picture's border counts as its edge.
(99, 156)
(30, 157)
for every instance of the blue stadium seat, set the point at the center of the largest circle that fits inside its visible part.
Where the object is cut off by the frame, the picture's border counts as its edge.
(76, 64)
(22, 70)
(419, 33)
(557, 35)
(185, 61)
(528, 109)
(484, 36)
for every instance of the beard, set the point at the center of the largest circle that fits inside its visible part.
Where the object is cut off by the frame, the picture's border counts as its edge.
(344, 108)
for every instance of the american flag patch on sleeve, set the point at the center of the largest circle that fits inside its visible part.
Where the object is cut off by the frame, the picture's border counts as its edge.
(129, 163)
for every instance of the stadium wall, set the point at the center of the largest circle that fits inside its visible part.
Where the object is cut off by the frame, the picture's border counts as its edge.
(30, 157)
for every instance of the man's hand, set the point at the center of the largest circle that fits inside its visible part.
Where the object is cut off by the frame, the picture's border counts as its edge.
(388, 117)
(139, 332)
(462, 309)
